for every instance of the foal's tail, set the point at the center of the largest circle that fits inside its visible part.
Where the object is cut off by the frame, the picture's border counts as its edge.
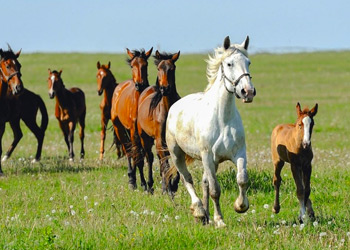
(44, 116)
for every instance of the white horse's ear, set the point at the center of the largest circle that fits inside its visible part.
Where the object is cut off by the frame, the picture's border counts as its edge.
(227, 42)
(245, 44)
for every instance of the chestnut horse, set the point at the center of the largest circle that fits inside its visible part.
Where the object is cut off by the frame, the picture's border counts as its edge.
(70, 109)
(124, 112)
(106, 84)
(154, 104)
(27, 104)
(292, 143)
(11, 85)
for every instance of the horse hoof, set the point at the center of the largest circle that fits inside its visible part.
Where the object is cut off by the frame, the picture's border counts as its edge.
(132, 186)
(4, 158)
(35, 161)
(220, 224)
(276, 209)
(198, 210)
(241, 206)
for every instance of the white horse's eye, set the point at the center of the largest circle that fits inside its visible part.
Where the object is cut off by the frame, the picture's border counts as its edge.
(229, 64)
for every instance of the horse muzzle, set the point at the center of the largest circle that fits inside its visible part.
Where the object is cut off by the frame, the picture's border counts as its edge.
(248, 95)
(100, 91)
(164, 90)
(52, 95)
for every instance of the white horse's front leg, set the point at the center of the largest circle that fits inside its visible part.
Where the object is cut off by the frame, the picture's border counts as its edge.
(241, 204)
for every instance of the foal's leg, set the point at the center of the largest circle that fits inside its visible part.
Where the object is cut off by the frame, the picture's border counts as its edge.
(104, 122)
(71, 128)
(2, 130)
(277, 183)
(241, 204)
(17, 134)
(82, 134)
(298, 179)
(306, 178)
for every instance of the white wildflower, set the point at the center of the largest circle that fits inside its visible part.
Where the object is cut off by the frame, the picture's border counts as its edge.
(90, 210)
(315, 223)
(71, 206)
(272, 216)
(177, 217)
(323, 234)
(53, 211)
(284, 222)
(72, 212)
(96, 203)
(253, 211)
(266, 206)
(51, 198)
(85, 198)
(301, 227)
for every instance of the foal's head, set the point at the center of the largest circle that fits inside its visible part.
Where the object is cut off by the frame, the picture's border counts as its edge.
(55, 82)
(305, 123)
(166, 71)
(138, 63)
(104, 76)
(10, 70)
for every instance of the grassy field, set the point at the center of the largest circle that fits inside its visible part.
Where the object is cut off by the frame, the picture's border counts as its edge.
(57, 205)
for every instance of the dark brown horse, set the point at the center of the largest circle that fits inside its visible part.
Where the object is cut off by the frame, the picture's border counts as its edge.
(154, 104)
(292, 143)
(70, 109)
(124, 112)
(106, 84)
(10, 84)
(25, 106)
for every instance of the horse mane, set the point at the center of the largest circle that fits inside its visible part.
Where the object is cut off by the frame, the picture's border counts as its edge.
(158, 96)
(215, 61)
(137, 53)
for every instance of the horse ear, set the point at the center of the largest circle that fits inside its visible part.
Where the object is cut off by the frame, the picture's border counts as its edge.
(157, 54)
(313, 111)
(98, 65)
(148, 53)
(59, 73)
(227, 42)
(129, 53)
(18, 53)
(109, 64)
(298, 108)
(1, 52)
(245, 44)
(49, 70)
(175, 57)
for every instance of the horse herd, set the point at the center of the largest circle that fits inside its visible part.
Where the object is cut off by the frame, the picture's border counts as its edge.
(205, 126)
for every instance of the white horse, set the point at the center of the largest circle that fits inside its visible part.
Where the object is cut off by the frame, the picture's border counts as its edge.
(207, 126)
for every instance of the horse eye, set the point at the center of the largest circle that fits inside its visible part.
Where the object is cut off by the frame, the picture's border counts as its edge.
(229, 64)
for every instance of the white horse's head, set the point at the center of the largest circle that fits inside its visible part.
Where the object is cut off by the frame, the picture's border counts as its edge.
(235, 70)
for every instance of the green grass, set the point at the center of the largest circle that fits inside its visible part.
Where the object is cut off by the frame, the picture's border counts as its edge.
(57, 205)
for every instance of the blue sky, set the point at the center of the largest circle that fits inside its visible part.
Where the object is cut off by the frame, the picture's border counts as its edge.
(190, 26)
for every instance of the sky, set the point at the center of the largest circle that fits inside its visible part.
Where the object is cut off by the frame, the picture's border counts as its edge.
(191, 26)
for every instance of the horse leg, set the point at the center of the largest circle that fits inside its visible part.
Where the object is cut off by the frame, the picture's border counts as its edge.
(104, 122)
(277, 183)
(298, 179)
(306, 178)
(178, 157)
(71, 128)
(137, 155)
(17, 134)
(147, 143)
(82, 134)
(205, 187)
(39, 134)
(241, 204)
(2, 130)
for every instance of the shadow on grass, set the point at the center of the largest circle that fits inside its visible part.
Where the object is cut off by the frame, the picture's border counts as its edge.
(59, 165)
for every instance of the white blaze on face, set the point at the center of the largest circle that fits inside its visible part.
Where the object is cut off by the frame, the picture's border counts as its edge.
(307, 124)
(52, 83)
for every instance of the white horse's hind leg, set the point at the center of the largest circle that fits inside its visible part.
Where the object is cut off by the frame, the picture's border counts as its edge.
(241, 204)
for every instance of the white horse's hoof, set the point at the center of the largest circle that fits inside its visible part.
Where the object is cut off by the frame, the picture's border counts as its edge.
(4, 158)
(220, 224)
(198, 210)
(241, 204)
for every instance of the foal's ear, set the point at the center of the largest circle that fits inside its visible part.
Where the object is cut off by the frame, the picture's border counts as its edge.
(49, 70)
(148, 53)
(109, 64)
(298, 108)
(59, 73)
(245, 44)
(227, 42)
(175, 57)
(157, 54)
(129, 53)
(313, 111)
(98, 65)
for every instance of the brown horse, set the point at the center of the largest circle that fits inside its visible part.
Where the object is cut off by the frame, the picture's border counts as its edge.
(154, 104)
(26, 105)
(10, 84)
(70, 109)
(292, 143)
(106, 84)
(124, 112)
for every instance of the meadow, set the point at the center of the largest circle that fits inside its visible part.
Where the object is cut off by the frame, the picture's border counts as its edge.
(87, 205)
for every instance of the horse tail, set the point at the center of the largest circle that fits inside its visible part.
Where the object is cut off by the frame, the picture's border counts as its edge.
(116, 142)
(172, 176)
(44, 115)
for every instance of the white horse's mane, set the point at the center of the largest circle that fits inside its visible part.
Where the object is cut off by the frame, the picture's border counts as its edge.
(219, 56)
